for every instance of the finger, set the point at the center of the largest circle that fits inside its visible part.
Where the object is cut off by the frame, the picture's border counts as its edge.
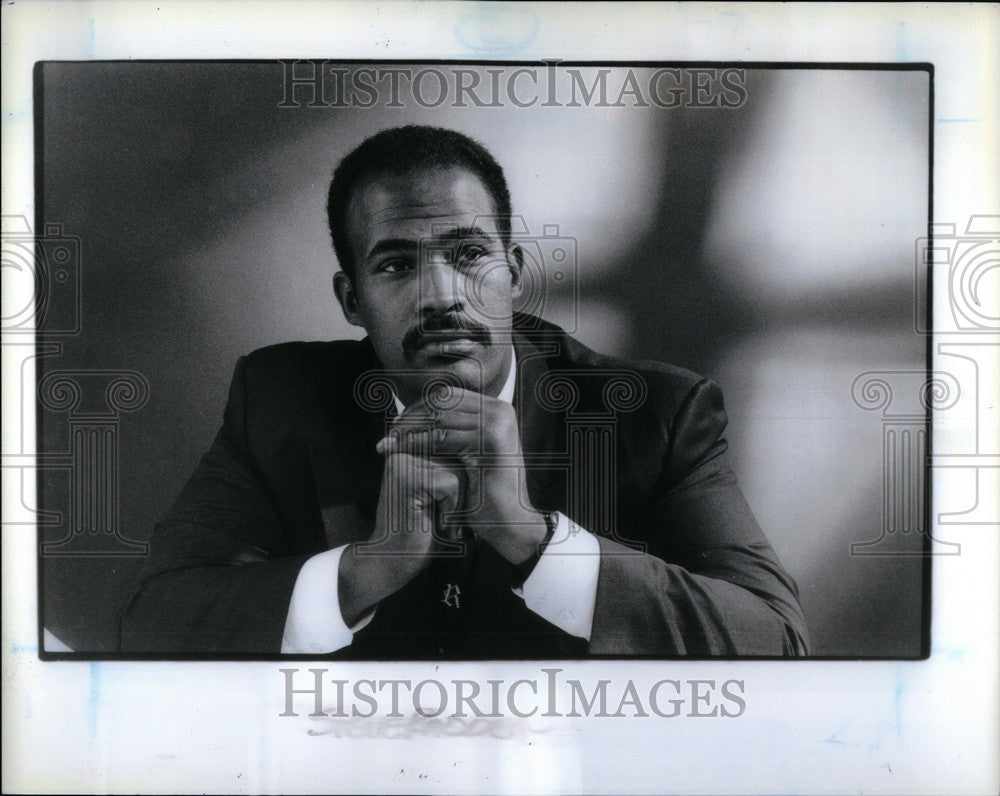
(445, 486)
(437, 441)
(449, 432)
(402, 461)
(457, 399)
(410, 478)
(455, 421)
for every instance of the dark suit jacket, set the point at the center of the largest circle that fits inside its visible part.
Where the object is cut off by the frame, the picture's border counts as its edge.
(633, 452)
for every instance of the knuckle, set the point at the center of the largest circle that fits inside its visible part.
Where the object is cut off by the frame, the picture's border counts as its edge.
(400, 461)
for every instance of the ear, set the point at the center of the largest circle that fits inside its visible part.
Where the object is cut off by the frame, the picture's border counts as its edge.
(515, 261)
(348, 298)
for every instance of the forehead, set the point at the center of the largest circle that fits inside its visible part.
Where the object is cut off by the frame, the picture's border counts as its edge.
(417, 204)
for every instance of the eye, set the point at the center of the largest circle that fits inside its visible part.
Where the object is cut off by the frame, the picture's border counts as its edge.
(394, 265)
(472, 254)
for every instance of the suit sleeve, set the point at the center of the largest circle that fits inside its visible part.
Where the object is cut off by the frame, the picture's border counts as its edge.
(219, 577)
(709, 583)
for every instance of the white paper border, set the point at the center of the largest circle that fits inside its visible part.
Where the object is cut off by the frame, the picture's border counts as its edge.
(810, 727)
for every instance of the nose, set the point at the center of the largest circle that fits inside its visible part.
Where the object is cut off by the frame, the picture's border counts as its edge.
(442, 287)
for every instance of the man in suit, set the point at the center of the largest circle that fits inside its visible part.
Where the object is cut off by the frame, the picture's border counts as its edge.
(465, 482)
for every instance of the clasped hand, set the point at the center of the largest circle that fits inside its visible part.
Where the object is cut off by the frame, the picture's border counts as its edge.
(476, 439)
(444, 468)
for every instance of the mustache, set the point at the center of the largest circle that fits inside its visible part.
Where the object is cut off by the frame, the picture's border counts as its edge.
(448, 322)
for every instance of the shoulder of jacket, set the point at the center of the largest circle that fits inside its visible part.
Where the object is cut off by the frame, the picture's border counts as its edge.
(305, 355)
(296, 372)
(661, 378)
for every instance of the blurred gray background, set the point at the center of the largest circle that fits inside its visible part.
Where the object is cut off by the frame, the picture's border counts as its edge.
(769, 247)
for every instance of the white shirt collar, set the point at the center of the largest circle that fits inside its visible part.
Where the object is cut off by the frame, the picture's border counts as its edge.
(506, 393)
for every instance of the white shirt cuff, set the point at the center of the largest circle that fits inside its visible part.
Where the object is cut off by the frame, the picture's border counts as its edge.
(314, 624)
(562, 588)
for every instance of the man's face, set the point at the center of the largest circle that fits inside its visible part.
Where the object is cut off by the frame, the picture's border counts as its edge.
(433, 283)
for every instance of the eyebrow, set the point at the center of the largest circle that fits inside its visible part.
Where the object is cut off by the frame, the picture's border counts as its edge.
(391, 245)
(463, 233)
(453, 235)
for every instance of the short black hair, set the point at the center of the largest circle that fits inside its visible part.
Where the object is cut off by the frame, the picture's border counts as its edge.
(400, 150)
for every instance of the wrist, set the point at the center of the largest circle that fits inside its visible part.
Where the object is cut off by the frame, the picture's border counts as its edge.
(526, 567)
(357, 585)
(530, 543)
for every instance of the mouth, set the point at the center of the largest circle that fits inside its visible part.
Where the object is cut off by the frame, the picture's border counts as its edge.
(450, 343)
(443, 335)
(450, 335)
(452, 340)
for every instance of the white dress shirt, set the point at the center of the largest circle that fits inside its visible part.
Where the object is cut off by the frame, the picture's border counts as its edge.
(562, 588)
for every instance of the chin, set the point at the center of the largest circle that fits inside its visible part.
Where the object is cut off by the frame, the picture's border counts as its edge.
(468, 370)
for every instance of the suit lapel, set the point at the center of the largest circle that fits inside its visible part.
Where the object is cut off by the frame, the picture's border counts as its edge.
(346, 467)
(543, 432)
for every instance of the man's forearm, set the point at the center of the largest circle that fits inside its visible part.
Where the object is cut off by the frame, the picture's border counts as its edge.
(737, 605)
(200, 608)
(314, 623)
